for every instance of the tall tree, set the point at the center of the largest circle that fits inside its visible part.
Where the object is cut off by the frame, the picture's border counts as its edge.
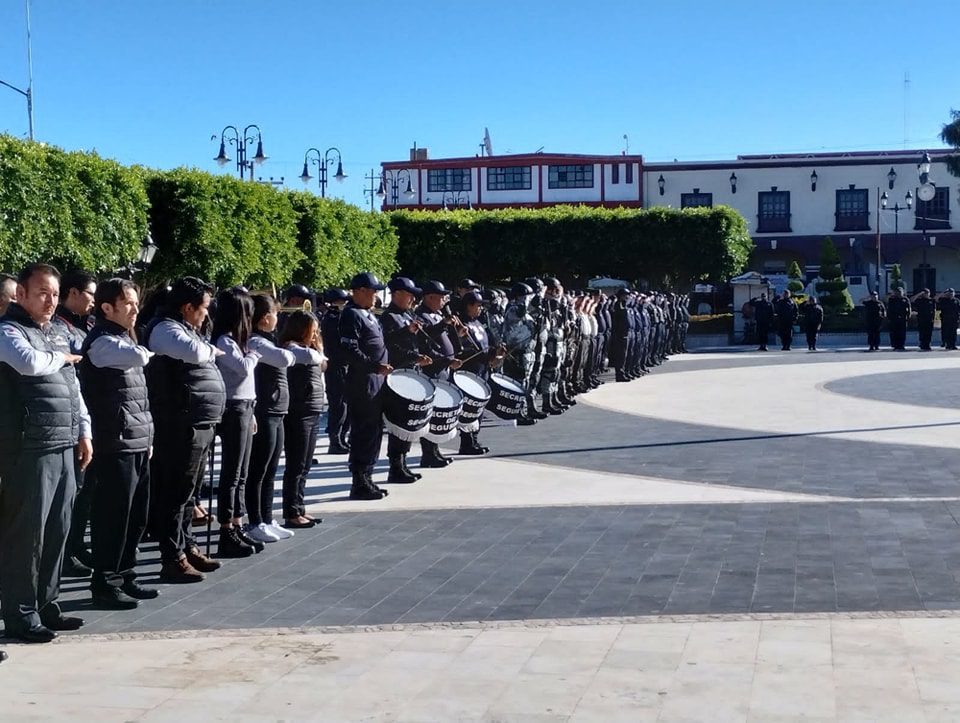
(951, 136)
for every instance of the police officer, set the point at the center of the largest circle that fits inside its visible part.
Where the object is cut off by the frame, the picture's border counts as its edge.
(949, 306)
(874, 313)
(554, 348)
(926, 309)
(403, 335)
(898, 311)
(365, 355)
(620, 338)
(338, 417)
(763, 316)
(519, 335)
(786, 309)
(812, 321)
(479, 357)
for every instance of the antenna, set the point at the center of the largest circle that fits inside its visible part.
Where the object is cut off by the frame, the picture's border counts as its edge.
(487, 145)
(626, 143)
(906, 106)
(29, 72)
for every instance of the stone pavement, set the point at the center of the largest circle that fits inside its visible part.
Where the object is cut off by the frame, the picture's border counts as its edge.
(738, 536)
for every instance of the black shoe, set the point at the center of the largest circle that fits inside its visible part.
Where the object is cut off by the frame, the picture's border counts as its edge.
(397, 475)
(292, 524)
(36, 634)
(3, 656)
(525, 422)
(476, 443)
(363, 488)
(230, 546)
(112, 598)
(138, 592)
(249, 541)
(337, 449)
(72, 567)
(468, 446)
(407, 471)
(61, 622)
(84, 557)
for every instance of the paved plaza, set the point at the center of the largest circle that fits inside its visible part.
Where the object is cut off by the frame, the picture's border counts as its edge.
(737, 536)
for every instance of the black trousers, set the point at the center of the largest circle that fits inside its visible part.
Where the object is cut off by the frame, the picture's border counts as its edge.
(786, 335)
(36, 502)
(300, 442)
(236, 439)
(948, 330)
(182, 452)
(119, 514)
(925, 329)
(366, 431)
(397, 447)
(873, 337)
(812, 337)
(338, 415)
(86, 486)
(898, 333)
(763, 334)
(264, 461)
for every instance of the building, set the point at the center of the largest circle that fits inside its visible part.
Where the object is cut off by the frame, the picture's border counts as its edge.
(791, 202)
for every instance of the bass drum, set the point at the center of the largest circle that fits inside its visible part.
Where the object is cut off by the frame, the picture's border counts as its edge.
(476, 395)
(407, 404)
(446, 413)
(507, 398)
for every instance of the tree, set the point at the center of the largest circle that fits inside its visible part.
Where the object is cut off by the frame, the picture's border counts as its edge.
(795, 285)
(896, 277)
(951, 136)
(832, 288)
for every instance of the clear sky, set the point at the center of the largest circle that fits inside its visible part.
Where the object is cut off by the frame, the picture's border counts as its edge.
(149, 81)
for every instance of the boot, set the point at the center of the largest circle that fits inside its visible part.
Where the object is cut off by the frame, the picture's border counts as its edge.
(524, 421)
(363, 489)
(249, 541)
(407, 471)
(565, 399)
(430, 455)
(201, 562)
(230, 545)
(468, 445)
(476, 442)
(179, 572)
(398, 474)
(549, 407)
(532, 411)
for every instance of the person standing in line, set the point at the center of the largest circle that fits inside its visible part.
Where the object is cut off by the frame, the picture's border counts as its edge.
(8, 291)
(44, 424)
(479, 358)
(365, 354)
(301, 336)
(232, 329)
(949, 306)
(926, 309)
(187, 400)
(812, 321)
(786, 309)
(763, 315)
(874, 314)
(335, 375)
(112, 378)
(898, 311)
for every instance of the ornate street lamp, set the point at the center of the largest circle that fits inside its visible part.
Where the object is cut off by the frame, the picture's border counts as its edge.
(240, 141)
(322, 162)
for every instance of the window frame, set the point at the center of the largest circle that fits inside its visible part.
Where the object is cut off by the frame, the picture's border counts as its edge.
(554, 171)
(846, 221)
(526, 178)
(779, 223)
(464, 173)
(935, 221)
(684, 197)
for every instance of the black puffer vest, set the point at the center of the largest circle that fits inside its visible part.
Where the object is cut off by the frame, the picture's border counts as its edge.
(118, 401)
(191, 394)
(38, 413)
(306, 389)
(273, 391)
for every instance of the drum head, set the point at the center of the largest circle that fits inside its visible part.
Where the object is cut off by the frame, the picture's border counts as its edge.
(471, 385)
(507, 383)
(447, 396)
(410, 385)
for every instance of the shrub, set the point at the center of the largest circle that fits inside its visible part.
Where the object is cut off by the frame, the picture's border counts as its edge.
(832, 288)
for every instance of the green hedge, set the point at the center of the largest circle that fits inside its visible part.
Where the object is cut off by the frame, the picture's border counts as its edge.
(665, 246)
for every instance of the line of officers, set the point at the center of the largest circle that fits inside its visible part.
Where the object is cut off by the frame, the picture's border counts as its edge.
(553, 343)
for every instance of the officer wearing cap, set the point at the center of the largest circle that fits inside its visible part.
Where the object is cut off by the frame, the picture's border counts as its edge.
(440, 343)
(464, 286)
(874, 313)
(365, 356)
(403, 336)
(335, 375)
(479, 357)
(519, 335)
(926, 309)
(949, 306)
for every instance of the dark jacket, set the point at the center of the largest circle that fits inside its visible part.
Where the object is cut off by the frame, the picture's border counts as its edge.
(273, 390)
(949, 310)
(330, 333)
(898, 308)
(403, 348)
(439, 343)
(762, 311)
(812, 317)
(926, 309)
(361, 339)
(786, 312)
(306, 389)
(874, 312)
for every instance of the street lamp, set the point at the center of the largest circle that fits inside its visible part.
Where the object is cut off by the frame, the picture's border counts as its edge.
(322, 161)
(733, 183)
(891, 177)
(240, 141)
(28, 93)
(148, 250)
(661, 183)
(813, 180)
(923, 168)
(897, 208)
(457, 199)
(391, 180)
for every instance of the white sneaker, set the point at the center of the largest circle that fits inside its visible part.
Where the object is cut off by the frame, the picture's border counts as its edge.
(260, 533)
(282, 533)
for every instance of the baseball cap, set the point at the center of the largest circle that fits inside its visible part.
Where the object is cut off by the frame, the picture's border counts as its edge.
(402, 283)
(366, 280)
(473, 297)
(468, 284)
(333, 295)
(434, 287)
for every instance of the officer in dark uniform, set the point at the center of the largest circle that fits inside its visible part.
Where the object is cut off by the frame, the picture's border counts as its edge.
(479, 357)
(949, 306)
(440, 343)
(763, 315)
(787, 313)
(874, 313)
(335, 375)
(926, 309)
(293, 298)
(365, 356)
(812, 321)
(898, 311)
(403, 336)
(622, 325)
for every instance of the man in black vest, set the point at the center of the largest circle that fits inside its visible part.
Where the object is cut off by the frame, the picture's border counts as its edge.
(949, 306)
(335, 375)
(187, 400)
(926, 309)
(365, 355)
(43, 424)
(112, 378)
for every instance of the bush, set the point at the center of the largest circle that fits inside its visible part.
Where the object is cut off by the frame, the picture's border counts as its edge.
(795, 284)
(832, 288)
(711, 324)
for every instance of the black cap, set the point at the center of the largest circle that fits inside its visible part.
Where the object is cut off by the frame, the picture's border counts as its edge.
(534, 283)
(366, 280)
(298, 290)
(623, 291)
(472, 297)
(489, 294)
(434, 287)
(333, 295)
(468, 284)
(402, 283)
(551, 282)
(520, 289)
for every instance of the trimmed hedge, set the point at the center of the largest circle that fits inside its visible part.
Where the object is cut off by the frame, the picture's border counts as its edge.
(666, 247)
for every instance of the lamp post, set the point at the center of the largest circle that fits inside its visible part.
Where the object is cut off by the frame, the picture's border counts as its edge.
(897, 208)
(457, 199)
(322, 161)
(240, 141)
(371, 190)
(28, 93)
(148, 250)
(391, 180)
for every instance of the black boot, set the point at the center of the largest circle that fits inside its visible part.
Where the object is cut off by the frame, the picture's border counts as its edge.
(230, 545)
(549, 407)
(476, 443)
(430, 455)
(468, 445)
(532, 411)
(407, 471)
(397, 474)
(363, 489)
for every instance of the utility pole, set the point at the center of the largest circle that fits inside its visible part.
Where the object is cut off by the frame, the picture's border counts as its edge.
(371, 190)
(28, 93)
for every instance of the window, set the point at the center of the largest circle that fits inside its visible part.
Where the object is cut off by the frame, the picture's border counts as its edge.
(509, 178)
(570, 177)
(696, 199)
(936, 212)
(448, 179)
(852, 213)
(615, 173)
(629, 173)
(773, 211)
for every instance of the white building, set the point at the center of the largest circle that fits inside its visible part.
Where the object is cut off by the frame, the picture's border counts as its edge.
(791, 202)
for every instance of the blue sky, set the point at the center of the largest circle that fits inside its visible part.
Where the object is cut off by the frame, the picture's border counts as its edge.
(149, 81)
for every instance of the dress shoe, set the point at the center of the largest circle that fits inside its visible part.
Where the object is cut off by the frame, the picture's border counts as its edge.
(61, 622)
(178, 572)
(337, 449)
(133, 589)
(36, 634)
(257, 545)
(112, 598)
(299, 524)
(229, 544)
(201, 562)
(72, 567)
